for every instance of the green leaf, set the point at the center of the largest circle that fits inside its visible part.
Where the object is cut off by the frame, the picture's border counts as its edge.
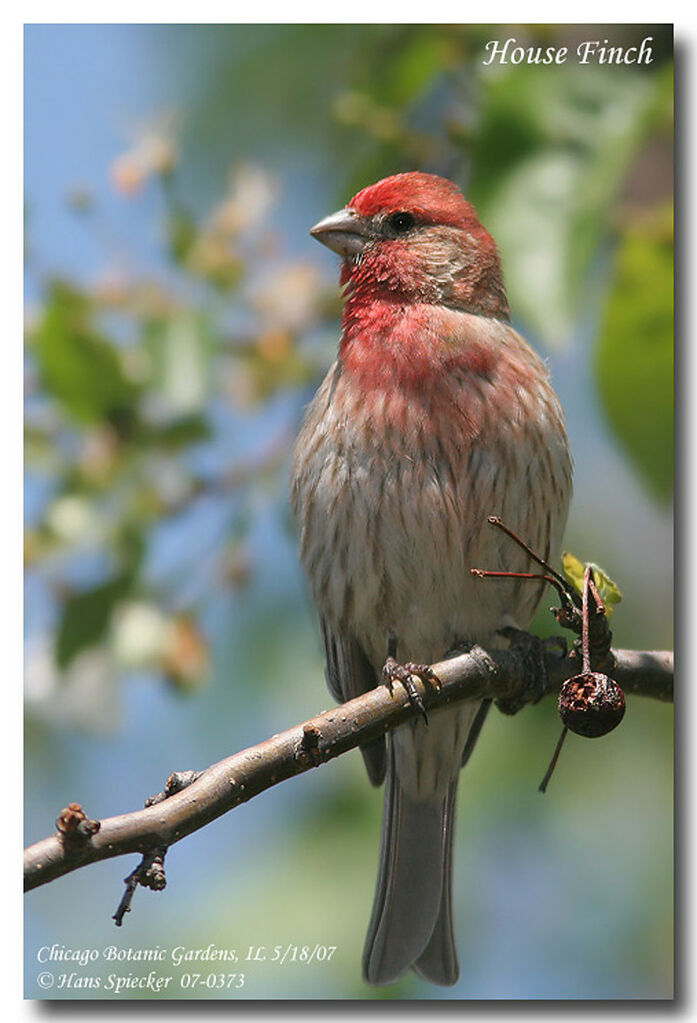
(547, 167)
(634, 354)
(409, 61)
(86, 616)
(130, 547)
(77, 366)
(180, 349)
(575, 570)
(181, 231)
(179, 432)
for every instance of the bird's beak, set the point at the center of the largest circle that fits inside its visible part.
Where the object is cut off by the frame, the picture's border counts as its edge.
(344, 232)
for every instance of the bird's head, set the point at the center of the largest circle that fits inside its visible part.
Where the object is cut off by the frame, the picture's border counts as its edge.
(414, 238)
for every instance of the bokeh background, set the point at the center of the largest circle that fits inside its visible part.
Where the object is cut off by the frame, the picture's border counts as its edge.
(178, 319)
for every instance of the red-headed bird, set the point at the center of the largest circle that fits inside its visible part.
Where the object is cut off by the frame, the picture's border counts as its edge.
(435, 415)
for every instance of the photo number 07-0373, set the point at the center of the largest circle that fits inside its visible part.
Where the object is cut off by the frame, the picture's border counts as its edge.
(349, 565)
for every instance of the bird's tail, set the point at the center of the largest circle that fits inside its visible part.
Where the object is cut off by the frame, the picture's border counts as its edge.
(411, 924)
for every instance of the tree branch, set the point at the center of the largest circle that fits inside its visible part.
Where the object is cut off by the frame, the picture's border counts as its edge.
(498, 675)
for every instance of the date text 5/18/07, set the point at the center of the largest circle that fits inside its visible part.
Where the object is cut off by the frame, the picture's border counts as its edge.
(290, 953)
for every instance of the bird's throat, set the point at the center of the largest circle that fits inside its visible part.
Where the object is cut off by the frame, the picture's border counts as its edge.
(388, 345)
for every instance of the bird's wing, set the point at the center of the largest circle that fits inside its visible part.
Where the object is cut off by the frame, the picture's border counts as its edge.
(349, 673)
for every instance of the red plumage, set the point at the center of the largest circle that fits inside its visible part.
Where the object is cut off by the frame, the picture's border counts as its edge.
(432, 199)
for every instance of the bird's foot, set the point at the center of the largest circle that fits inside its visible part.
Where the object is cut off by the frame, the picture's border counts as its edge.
(393, 672)
(532, 650)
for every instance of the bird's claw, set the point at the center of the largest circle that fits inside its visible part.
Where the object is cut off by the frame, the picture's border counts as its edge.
(532, 650)
(393, 672)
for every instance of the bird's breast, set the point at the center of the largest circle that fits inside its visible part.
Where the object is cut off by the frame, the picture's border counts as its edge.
(392, 486)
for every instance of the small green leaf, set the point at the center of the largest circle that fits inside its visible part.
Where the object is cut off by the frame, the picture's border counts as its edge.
(575, 570)
(86, 616)
(181, 231)
(130, 547)
(179, 432)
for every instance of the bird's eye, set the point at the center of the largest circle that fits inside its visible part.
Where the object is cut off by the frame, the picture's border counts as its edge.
(401, 222)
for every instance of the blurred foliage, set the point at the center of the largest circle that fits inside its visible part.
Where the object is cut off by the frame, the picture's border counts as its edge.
(543, 164)
(124, 377)
(548, 191)
(77, 366)
(141, 383)
(162, 399)
(634, 352)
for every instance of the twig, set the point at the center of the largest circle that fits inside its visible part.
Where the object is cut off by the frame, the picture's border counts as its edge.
(553, 762)
(499, 674)
(150, 873)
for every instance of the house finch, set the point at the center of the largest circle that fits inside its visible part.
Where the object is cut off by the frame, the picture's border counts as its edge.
(435, 415)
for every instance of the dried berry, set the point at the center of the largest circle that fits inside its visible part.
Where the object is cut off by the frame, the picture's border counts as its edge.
(591, 704)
